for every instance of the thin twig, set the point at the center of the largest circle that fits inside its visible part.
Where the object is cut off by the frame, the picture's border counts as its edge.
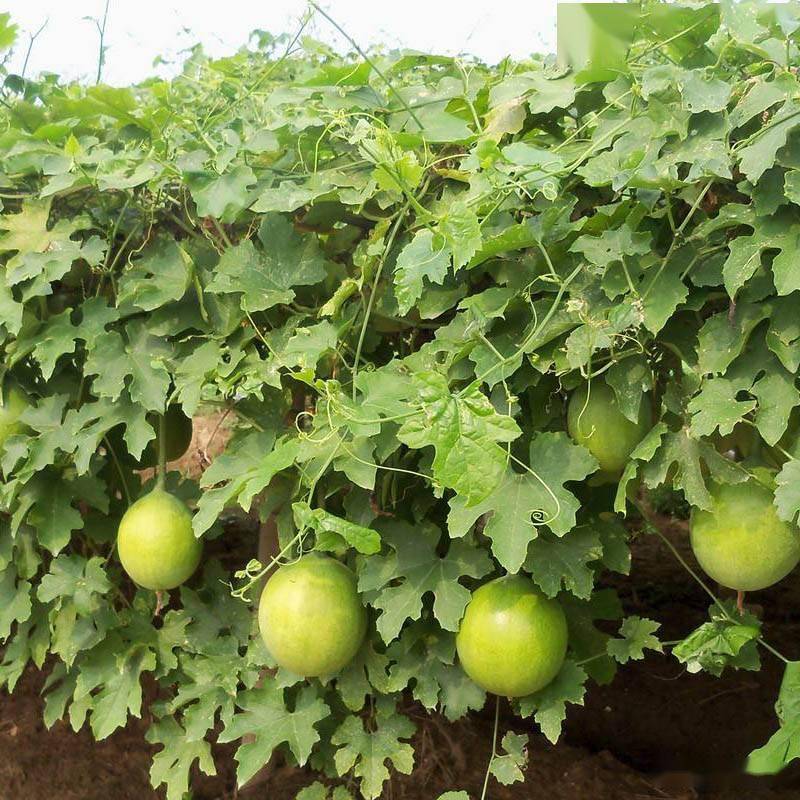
(101, 29)
(373, 292)
(369, 61)
(33, 38)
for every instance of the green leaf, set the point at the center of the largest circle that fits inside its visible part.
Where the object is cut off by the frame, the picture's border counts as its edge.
(783, 746)
(192, 374)
(701, 93)
(715, 408)
(421, 259)
(28, 231)
(777, 396)
(74, 577)
(663, 290)
(8, 32)
(630, 379)
(172, 764)
(222, 196)
(787, 493)
(57, 339)
(461, 231)
(160, 276)
(611, 246)
(261, 276)
(723, 337)
(414, 568)
(637, 635)
(759, 155)
(688, 462)
(240, 474)
(727, 640)
(332, 530)
(523, 501)
(783, 335)
(778, 232)
(367, 752)
(315, 791)
(465, 431)
(509, 767)
(553, 562)
(550, 703)
(15, 601)
(141, 358)
(118, 677)
(52, 515)
(424, 657)
(264, 715)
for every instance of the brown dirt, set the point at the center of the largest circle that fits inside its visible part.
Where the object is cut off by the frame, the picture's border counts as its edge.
(36, 764)
(654, 733)
(210, 434)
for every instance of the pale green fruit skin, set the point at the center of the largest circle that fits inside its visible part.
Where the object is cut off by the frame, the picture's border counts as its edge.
(741, 543)
(14, 404)
(512, 640)
(311, 616)
(156, 543)
(602, 428)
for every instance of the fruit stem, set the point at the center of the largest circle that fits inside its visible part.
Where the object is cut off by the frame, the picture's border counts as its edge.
(494, 747)
(162, 450)
(740, 602)
(159, 602)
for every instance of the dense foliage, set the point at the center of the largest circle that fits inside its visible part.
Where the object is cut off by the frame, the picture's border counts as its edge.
(393, 270)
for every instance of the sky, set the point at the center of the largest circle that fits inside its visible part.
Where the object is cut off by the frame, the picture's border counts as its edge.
(138, 31)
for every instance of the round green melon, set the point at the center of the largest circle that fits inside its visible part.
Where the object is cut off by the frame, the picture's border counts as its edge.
(156, 543)
(741, 543)
(311, 617)
(595, 421)
(512, 640)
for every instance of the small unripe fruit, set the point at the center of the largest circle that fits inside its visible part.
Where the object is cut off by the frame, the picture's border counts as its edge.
(311, 616)
(156, 543)
(741, 542)
(595, 421)
(512, 640)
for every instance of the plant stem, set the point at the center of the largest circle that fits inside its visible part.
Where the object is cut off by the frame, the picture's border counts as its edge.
(678, 235)
(221, 232)
(33, 37)
(494, 747)
(528, 339)
(162, 450)
(371, 301)
(241, 593)
(101, 28)
(119, 469)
